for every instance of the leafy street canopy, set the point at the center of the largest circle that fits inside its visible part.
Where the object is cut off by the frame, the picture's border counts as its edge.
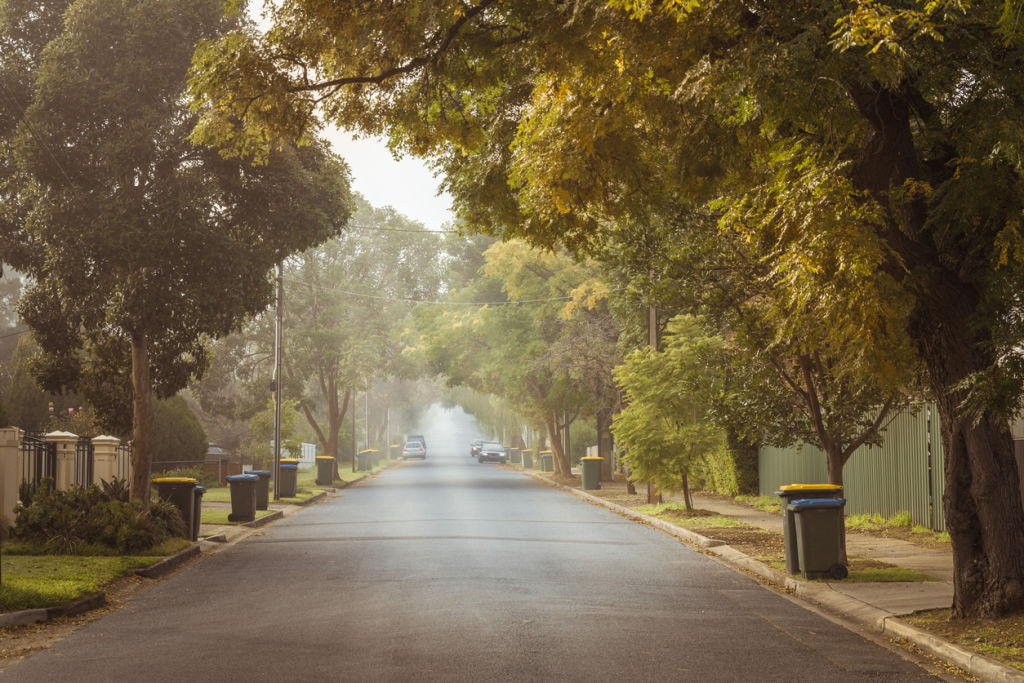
(140, 243)
(869, 154)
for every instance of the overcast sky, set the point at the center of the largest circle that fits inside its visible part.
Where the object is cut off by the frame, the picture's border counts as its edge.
(407, 185)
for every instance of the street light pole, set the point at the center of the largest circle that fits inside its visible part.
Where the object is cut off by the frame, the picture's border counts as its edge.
(278, 337)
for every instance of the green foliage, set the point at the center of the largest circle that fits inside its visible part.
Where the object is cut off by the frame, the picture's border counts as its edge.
(70, 522)
(179, 436)
(45, 581)
(666, 428)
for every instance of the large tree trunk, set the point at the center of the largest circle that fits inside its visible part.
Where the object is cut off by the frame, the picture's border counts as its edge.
(834, 463)
(982, 502)
(142, 420)
(558, 457)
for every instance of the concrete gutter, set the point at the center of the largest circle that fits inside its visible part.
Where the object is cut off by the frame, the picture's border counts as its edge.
(853, 610)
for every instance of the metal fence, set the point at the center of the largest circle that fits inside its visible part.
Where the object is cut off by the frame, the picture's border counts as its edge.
(84, 458)
(37, 460)
(904, 474)
(123, 461)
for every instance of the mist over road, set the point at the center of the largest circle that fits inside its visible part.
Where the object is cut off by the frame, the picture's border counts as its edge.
(450, 570)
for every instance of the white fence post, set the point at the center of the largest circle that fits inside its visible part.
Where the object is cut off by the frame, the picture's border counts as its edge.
(10, 445)
(66, 441)
(104, 458)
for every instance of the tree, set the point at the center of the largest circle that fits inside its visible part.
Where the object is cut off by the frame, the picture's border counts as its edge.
(141, 244)
(879, 143)
(179, 438)
(667, 426)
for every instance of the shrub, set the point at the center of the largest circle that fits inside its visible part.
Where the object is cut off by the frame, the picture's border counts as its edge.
(87, 520)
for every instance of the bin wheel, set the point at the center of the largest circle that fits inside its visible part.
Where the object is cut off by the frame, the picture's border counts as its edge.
(838, 571)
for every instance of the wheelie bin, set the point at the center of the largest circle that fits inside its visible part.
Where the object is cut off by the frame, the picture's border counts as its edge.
(819, 533)
(547, 463)
(180, 491)
(515, 456)
(792, 492)
(590, 472)
(243, 497)
(527, 459)
(324, 470)
(364, 461)
(288, 479)
(262, 489)
(197, 510)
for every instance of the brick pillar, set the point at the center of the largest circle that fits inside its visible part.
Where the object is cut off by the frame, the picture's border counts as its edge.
(104, 458)
(65, 457)
(10, 443)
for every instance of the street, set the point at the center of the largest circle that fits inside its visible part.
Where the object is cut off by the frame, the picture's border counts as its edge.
(448, 570)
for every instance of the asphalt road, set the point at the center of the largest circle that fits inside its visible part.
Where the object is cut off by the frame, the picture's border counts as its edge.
(450, 570)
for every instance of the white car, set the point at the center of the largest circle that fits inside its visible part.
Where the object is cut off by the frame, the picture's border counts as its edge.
(414, 449)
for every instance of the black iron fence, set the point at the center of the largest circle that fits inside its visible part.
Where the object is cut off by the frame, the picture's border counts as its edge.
(123, 462)
(38, 461)
(84, 458)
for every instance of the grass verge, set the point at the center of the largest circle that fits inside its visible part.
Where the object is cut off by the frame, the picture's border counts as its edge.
(221, 516)
(34, 581)
(1001, 638)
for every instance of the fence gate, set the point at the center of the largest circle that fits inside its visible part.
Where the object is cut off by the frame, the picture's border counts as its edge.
(123, 462)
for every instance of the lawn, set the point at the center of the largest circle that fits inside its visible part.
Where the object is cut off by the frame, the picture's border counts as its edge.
(33, 581)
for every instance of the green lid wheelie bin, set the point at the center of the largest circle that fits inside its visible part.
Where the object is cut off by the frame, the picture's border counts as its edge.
(819, 533)
(262, 489)
(324, 470)
(288, 479)
(243, 497)
(590, 472)
(180, 491)
(792, 492)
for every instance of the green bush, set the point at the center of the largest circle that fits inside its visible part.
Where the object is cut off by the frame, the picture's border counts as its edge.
(90, 520)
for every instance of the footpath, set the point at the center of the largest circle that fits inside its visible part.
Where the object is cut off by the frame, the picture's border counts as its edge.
(875, 607)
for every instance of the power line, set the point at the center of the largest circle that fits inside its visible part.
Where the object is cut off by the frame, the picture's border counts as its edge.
(436, 302)
(370, 228)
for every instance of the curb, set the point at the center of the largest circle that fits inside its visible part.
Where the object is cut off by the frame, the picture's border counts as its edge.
(857, 611)
(161, 568)
(33, 616)
(265, 519)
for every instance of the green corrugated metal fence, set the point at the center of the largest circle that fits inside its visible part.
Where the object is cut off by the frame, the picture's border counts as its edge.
(893, 478)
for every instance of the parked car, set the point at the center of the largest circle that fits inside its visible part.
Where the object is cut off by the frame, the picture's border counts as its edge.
(474, 447)
(414, 449)
(494, 452)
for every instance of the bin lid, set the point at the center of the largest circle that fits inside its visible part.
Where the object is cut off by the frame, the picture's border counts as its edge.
(545, 452)
(200, 490)
(289, 460)
(260, 473)
(817, 503)
(591, 457)
(174, 480)
(811, 487)
(241, 477)
(289, 466)
(324, 457)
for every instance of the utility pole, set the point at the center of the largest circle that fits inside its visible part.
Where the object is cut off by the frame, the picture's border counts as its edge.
(366, 415)
(354, 450)
(653, 495)
(278, 338)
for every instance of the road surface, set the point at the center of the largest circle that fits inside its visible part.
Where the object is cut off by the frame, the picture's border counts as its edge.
(451, 570)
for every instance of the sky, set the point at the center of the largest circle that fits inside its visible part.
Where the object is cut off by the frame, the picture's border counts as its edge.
(406, 184)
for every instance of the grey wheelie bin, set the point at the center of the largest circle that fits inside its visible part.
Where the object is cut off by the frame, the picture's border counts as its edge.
(180, 491)
(197, 510)
(243, 497)
(324, 470)
(819, 536)
(792, 492)
(288, 479)
(262, 489)
(590, 470)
